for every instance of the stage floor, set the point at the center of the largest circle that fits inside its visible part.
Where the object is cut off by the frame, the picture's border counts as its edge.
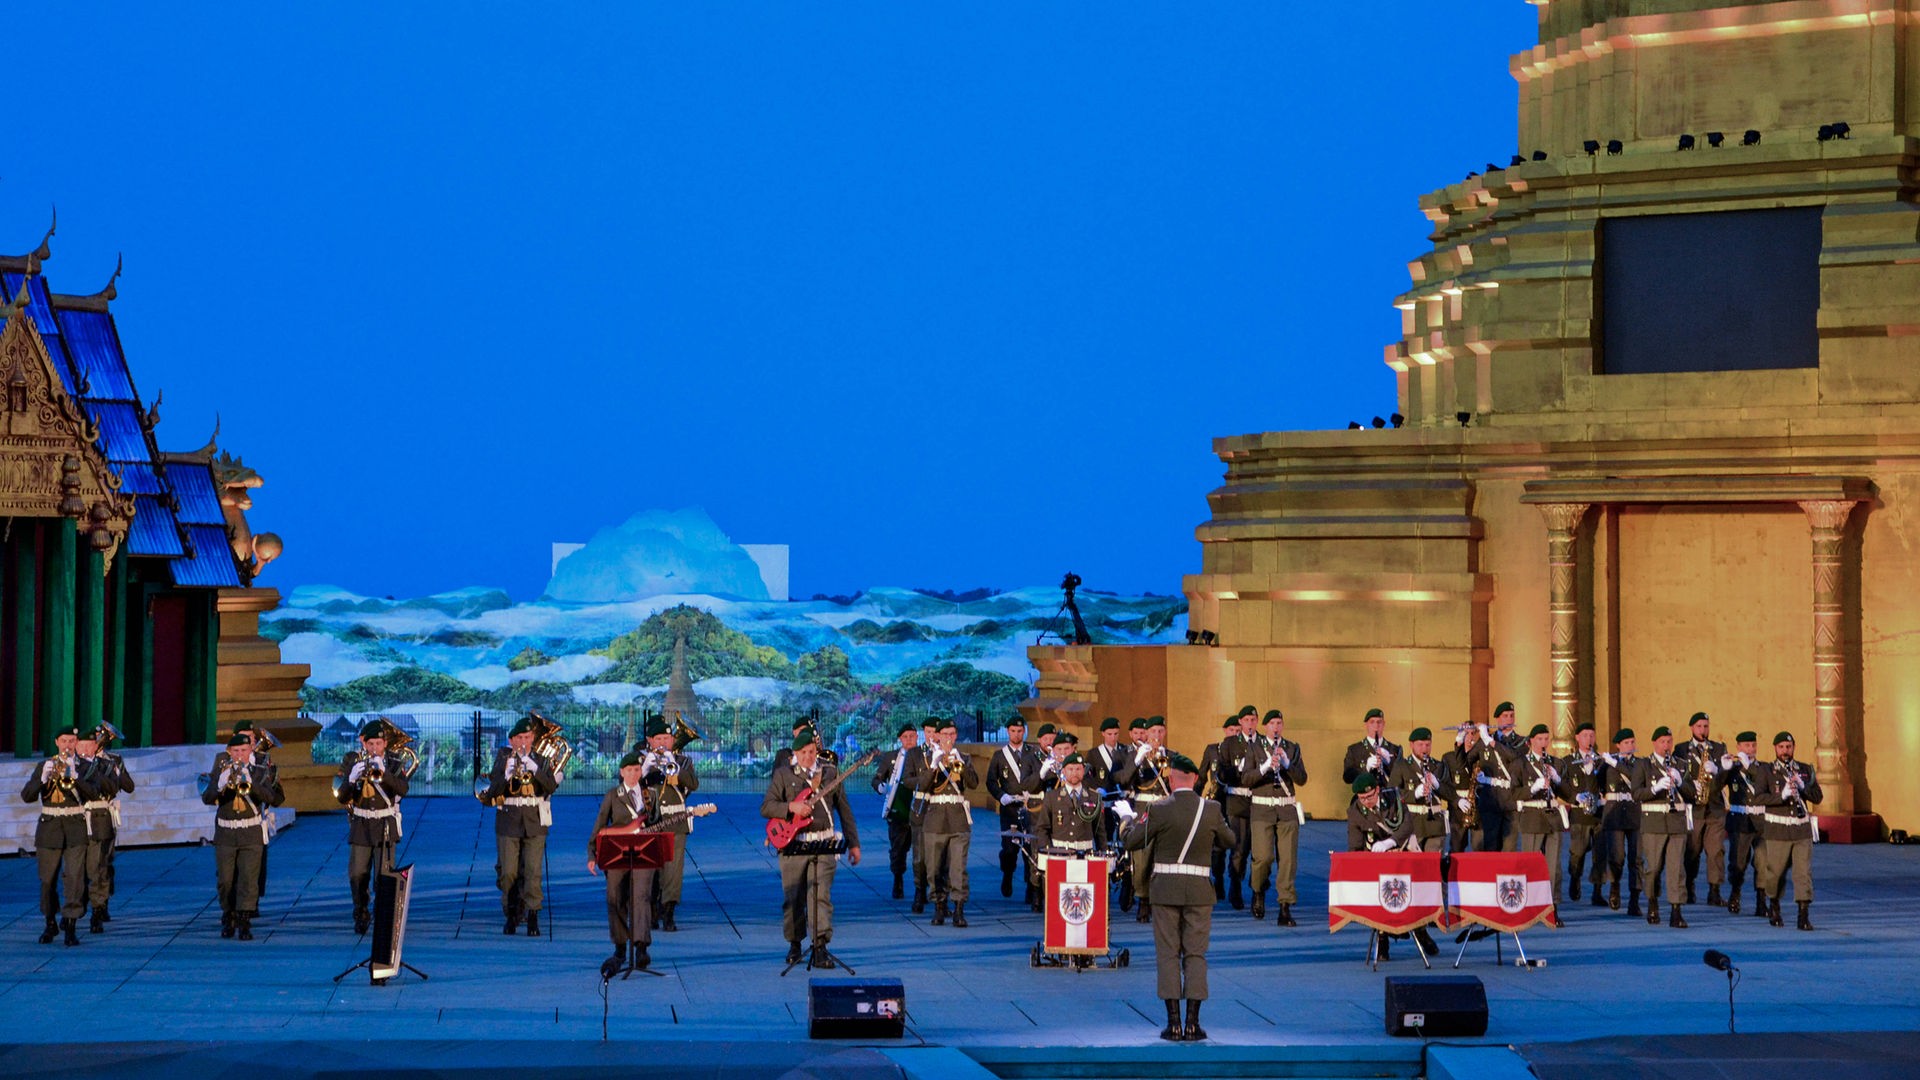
(161, 973)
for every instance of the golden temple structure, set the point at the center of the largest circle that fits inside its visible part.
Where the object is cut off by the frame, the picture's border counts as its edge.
(1660, 385)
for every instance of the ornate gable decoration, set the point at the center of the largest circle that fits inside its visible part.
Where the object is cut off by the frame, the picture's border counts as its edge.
(50, 463)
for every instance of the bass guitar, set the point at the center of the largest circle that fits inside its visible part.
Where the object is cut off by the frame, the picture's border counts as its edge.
(781, 833)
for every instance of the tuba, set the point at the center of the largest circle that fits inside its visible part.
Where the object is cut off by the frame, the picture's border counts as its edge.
(550, 743)
(683, 733)
(108, 735)
(397, 745)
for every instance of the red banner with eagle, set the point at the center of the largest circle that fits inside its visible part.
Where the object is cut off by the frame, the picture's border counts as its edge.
(1077, 905)
(1390, 891)
(1509, 891)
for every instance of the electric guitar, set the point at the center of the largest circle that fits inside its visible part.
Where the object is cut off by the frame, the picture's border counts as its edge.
(781, 833)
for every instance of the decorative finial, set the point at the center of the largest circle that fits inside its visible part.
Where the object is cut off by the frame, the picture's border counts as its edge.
(205, 453)
(45, 250)
(152, 418)
(110, 292)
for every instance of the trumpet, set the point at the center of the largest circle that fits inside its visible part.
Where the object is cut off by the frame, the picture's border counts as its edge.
(953, 764)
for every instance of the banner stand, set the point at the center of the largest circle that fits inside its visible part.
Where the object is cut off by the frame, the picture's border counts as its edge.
(1500, 893)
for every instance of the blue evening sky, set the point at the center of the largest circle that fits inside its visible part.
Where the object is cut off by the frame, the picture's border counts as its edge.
(940, 295)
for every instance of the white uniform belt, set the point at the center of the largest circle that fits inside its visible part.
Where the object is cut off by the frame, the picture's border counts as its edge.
(1785, 819)
(62, 811)
(1073, 845)
(946, 798)
(97, 804)
(383, 812)
(1239, 791)
(1656, 808)
(521, 800)
(679, 808)
(1739, 808)
(1498, 781)
(1145, 797)
(817, 834)
(1533, 804)
(1274, 800)
(1618, 796)
(919, 796)
(239, 823)
(1181, 868)
(1419, 808)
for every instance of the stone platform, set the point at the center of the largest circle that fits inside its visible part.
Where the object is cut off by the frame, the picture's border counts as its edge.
(1282, 999)
(164, 808)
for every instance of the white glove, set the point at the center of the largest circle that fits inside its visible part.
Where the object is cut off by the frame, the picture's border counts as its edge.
(1746, 760)
(1662, 784)
(46, 771)
(1373, 762)
(1466, 803)
(359, 769)
(1539, 785)
(1047, 766)
(1285, 761)
(1485, 735)
(1140, 755)
(1381, 845)
(1609, 759)
(1008, 800)
(1713, 769)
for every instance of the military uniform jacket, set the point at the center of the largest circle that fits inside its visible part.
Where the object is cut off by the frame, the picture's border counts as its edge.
(1230, 759)
(1538, 810)
(786, 786)
(1582, 775)
(1387, 820)
(1183, 822)
(63, 818)
(1013, 772)
(240, 818)
(1619, 808)
(1689, 754)
(1271, 791)
(785, 757)
(1066, 819)
(943, 809)
(1110, 770)
(620, 807)
(909, 772)
(519, 813)
(1462, 777)
(107, 775)
(1359, 753)
(1785, 816)
(1500, 764)
(670, 794)
(1663, 811)
(373, 806)
(1737, 788)
(1430, 812)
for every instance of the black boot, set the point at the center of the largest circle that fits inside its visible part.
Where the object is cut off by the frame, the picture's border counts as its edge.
(68, 928)
(533, 924)
(1573, 889)
(793, 952)
(1195, 1032)
(1425, 941)
(1773, 912)
(1613, 896)
(244, 925)
(666, 916)
(362, 920)
(1733, 900)
(52, 931)
(1805, 923)
(1006, 883)
(1759, 904)
(1633, 904)
(1032, 896)
(919, 899)
(960, 915)
(512, 926)
(821, 958)
(226, 924)
(106, 912)
(1286, 915)
(1234, 897)
(899, 886)
(1260, 906)
(1145, 912)
(99, 922)
(1714, 898)
(1676, 920)
(1653, 912)
(1690, 898)
(939, 913)
(1599, 896)
(1173, 1032)
(1386, 948)
(640, 957)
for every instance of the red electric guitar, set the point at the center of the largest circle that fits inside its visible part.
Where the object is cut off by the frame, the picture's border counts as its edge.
(781, 833)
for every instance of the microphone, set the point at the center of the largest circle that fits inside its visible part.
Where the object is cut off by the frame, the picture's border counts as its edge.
(1717, 960)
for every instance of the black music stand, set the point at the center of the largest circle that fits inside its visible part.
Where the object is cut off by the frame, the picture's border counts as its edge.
(632, 851)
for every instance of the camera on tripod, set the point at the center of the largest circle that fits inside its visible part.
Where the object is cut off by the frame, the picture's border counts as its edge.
(1070, 583)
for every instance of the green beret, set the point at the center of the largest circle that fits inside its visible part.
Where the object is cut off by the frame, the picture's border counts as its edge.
(1537, 729)
(1364, 783)
(803, 740)
(1419, 734)
(1747, 736)
(1662, 730)
(1111, 723)
(1505, 706)
(1783, 737)
(1073, 759)
(1272, 714)
(93, 734)
(1138, 723)
(1247, 710)
(1182, 763)
(1156, 721)
(244, 725)
(655, 726)
(904, 728)
(238, 739)
(1232, 721)
(1067, 737)
(802, 722)
(1016, 720)
(1584, 725)
(525, 727)
(1043, 731)
(948, 725)
(632, 758)
(1622, 735)
(931, 722)
(1696, 718)
(370, 730)
(1371, 713)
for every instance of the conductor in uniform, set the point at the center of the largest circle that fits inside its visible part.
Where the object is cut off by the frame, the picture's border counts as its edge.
(1070, 817)
(1176, 837)
(519, 789)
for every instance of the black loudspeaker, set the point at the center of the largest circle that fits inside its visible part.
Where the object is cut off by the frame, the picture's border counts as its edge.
(856, 1009)
(1436, 1005)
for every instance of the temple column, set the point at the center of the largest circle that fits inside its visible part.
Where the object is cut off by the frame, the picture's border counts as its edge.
(114, 685)
(56, 688)
(1563, 616)
(90, 655)
(1829, 521)
(26, 634)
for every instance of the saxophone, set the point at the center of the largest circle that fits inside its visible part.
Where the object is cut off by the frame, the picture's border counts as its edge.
(1702, 780)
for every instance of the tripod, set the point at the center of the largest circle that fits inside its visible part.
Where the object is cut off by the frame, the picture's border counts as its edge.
(1067, 607)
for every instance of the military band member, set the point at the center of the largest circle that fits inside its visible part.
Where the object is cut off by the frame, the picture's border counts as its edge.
(629, 890)
(520, 787)
(1274, 770)
(369, 783)
(1707, 838)
(929, 746)
(801, 725)
(1052, 764)
(108, 776)
(1539, 792)
(946, 827)
(1013, 768)
(1043, 740)
(1420, 780)
(670, 774)
(1664, 792)
(1175, 837)
(1150, 784)
(1582, 768)
(60, 839)
(1377, 823)
(1070, 816)
(1461, 784)
(1236, 800)
(1786, 789)
(807, 864)
(1504, 747)
(1373, 753)
(896, 779)
(1620, 821)
(1220, 770)
(1109, 764)
(1745, 846)
(240, 793)
(263, 744)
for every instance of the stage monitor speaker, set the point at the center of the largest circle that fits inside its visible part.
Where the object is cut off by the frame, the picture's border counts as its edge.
(856, 1009)
(1438, 1006)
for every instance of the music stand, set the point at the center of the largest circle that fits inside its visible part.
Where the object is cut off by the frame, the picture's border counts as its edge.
(614, 850)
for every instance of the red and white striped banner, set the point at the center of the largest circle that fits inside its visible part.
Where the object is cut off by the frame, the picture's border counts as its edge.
(1506, 890)
(1391, 891)
(1077, 905)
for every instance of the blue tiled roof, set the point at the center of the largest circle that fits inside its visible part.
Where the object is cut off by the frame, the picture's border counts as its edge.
(154, 532)
(39, 305)
(95, 350)
(121, 435)
(139, 479)
(211, 564)
(192, 484)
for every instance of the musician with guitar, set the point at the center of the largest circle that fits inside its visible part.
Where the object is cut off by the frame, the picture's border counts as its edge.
(809, 822)
(630, 807)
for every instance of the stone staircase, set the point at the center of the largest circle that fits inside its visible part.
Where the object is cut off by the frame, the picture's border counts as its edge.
(165, 806)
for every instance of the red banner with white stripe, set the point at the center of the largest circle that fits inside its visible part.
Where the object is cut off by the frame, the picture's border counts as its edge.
(1390, 891)
(1509, 891)
(1077, 905)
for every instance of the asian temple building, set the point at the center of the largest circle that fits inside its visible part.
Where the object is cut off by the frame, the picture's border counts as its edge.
(126, 571)
(1656, 446)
